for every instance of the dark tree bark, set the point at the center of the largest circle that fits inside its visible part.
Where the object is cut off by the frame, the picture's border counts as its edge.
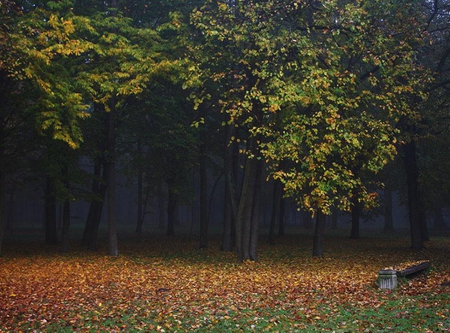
(319, 235)
(244, 212)
(230, 201)
(95, 192)
(65, 246)
(2, 188)
(334, 219)
(247, 219)
(412, 179)
(171, 207)
(140, 215)
(96, 208)
(282, 213)
(388, 219)
(423, 219)
(65, 239)
(438, 217)
(356, 214)
(161, 210)
(113, 248)
(203, 196)
(277, 198)
(256, 209)
(51, 232)
(229, 217)
(308, 222)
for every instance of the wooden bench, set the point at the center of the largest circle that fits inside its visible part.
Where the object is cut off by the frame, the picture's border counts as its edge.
(387, 278)
(411, 270)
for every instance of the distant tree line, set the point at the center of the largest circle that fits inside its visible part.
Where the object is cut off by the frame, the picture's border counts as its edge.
(334, 101)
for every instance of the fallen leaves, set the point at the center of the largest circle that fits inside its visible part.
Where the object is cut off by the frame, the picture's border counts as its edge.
(181, 288)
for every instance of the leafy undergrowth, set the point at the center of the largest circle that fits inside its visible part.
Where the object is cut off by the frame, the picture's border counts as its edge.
(169, 285)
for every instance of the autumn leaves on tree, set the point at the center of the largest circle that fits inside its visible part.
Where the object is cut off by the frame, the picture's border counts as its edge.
(321, 94)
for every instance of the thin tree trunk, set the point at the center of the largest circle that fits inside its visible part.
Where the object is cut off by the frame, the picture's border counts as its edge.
(412, 179)
(254, 230)
(319, 235)
(308, 222)
(2, 189)
(334, 219)
(276, 205)
(230, 201)
(203, 197)
(171, 207)
(244, 212)
(51, 233)
(161, 215)
(140, 216)
(95, 192)
(423, 218)
(97, 212)
(11, 212)
(388, 219)
(65, 246)
(281, 230)
(247, 219)
(111, 190)
(356, 214)
(438, 217)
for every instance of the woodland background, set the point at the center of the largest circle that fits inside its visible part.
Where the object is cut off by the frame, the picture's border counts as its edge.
(229, 115)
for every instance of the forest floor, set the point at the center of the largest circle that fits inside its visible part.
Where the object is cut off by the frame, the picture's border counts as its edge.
(161, 284)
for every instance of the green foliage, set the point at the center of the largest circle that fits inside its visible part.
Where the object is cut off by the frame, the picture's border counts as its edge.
(324, 87)
(39, 43)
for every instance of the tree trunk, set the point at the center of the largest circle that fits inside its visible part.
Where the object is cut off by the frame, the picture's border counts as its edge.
(412, 180)
(244, 212)
(97, 210)
(423, 219)
(51, 232)
(334, 219)
(230, 201)
(171, 207)
(227, 236)
(161, 215)
(140, 215)
(2, 189)
(388, 220)
(438, 217)
(203, 196)
(356, 214)
(246, 220)
(308, 222)
(111, 190)
(254, 229)
(282, 213)
(65, 246)
(276, 209)
(319, 235)
(95, 192)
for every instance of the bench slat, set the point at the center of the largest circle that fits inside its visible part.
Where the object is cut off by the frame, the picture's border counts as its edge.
(414, 269)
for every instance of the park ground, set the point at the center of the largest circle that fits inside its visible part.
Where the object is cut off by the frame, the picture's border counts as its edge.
(161, 284)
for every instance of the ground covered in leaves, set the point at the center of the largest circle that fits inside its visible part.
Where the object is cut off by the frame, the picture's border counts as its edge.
(169, 285)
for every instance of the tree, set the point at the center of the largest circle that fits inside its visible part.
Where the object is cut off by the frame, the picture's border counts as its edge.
(330, 70)
(36, 45)
(429, 121)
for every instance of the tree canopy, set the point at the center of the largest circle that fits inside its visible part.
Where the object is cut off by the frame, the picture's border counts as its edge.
(322, 94)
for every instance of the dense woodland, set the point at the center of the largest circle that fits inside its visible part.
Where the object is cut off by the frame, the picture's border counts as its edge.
(332, 105)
